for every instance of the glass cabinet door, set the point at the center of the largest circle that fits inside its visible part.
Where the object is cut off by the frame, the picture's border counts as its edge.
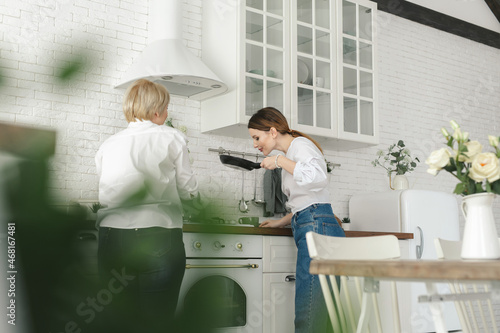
(313, 45)
(356, 21)
(265, 63)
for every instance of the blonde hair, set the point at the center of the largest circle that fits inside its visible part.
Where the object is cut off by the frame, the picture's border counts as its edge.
(143, 99)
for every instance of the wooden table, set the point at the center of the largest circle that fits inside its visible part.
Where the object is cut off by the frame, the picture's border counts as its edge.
(476, 270)
(429, 271)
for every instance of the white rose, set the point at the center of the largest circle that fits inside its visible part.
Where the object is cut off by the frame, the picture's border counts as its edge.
(485, 166)
(459, 136)
(454, 124)
(473, 148)
(437, 160)
(494, 141)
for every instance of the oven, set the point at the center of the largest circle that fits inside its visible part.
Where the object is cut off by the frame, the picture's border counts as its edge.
(222, 283)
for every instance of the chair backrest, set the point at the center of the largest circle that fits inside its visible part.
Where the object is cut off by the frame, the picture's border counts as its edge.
(350, 310)
(448, 249)
(352, 248)
(474, 316)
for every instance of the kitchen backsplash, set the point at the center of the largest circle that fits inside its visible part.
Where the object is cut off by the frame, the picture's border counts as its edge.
(427, 77)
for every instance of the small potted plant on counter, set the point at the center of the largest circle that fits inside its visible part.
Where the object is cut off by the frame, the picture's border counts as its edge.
(397, 159)
(346, 223)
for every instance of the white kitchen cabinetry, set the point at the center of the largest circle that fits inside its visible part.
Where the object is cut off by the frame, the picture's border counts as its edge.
(313, 60)
(247, 44)
(280, 256)
(357, 75)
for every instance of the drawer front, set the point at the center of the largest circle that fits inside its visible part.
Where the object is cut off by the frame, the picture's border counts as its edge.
(280, 254)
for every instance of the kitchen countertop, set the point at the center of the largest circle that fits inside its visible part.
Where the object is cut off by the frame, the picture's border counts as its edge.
(244, 230)
(229, 229)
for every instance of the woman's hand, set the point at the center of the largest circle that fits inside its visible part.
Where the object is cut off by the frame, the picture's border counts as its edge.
(272, 224)
(284, 221)
(269, 162)
(278, 161)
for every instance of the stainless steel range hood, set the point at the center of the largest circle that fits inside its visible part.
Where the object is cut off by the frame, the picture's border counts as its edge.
(167, 61)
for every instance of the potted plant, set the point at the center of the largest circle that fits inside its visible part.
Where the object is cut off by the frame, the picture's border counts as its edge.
(94, 208)
(346, 223)
(397, 160)
(478, 175)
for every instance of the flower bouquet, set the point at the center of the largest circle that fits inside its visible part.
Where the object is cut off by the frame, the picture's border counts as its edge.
(477, 171)
(478, 174)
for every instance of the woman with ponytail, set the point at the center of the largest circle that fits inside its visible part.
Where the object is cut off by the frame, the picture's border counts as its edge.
(305, 183)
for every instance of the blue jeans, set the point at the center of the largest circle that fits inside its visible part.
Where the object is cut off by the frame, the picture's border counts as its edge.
(141, 271)
(311, 315)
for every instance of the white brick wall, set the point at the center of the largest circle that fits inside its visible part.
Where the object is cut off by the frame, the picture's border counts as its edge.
(427, 77)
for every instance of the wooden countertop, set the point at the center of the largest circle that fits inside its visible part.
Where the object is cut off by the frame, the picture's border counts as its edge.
(411, 269)
(229, 229)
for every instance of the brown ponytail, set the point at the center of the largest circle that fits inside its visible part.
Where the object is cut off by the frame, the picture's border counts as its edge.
(269, 117)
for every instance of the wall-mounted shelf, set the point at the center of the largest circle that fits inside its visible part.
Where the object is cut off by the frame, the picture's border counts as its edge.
(221, 151)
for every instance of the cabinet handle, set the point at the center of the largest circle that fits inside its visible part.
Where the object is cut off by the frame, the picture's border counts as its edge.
(290, 278)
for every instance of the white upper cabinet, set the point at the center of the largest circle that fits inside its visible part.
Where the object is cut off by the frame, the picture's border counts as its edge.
(358, 116)
(311, 59)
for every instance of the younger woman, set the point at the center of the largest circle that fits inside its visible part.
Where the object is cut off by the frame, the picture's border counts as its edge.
(305, 183)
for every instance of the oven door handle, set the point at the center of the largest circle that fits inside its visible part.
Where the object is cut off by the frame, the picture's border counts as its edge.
(188, 266)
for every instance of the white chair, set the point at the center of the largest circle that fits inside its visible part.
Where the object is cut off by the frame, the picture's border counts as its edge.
(474, 315)
(341, 308)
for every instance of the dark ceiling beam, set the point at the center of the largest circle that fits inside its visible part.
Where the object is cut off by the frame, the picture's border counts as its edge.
(437, 20)
(495, 7)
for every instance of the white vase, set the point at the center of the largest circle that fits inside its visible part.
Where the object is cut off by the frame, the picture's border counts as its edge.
(480, 239)
(400, 182)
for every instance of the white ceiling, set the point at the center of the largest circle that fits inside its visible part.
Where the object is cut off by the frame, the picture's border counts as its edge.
(473, 11)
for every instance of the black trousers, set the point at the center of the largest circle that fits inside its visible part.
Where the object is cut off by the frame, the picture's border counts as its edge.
(141, 273)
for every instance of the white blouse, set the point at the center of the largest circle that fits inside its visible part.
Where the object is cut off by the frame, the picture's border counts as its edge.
(150, 162)
(309, 182)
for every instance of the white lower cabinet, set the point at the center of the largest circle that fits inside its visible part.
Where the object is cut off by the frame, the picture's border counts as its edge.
(280, 256)
(278, 303)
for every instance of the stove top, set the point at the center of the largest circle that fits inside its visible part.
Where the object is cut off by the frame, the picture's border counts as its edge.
(202, 245)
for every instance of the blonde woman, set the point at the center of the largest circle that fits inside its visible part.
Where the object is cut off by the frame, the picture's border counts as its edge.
(144, 173)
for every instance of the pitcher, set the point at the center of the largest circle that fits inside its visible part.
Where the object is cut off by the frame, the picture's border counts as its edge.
(480, 240)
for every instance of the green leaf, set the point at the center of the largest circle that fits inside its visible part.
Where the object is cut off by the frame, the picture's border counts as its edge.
(401, 143)
(450, 142)
(495, 187)
(470, 186)
(452, 166)
(459, 189)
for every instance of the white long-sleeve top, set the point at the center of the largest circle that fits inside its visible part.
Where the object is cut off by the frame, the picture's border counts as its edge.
(144, 172)
(308, 184)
